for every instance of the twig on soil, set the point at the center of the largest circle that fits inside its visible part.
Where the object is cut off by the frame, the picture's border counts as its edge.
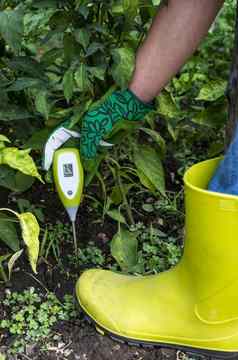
(37, 280)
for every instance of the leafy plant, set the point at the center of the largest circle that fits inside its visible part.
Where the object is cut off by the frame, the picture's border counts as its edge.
(30, 235)
(54, 236)
(60, 58)
(89, 256)
(29, 316)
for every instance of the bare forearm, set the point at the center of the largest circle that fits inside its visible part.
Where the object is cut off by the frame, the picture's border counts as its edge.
(174, 35)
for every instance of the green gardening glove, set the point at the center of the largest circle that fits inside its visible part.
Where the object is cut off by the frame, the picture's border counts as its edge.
(98, 122)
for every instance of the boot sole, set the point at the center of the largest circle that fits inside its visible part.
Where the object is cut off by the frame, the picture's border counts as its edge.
(226, 355)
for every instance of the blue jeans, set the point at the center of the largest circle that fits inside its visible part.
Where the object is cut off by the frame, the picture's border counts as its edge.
(225, 179)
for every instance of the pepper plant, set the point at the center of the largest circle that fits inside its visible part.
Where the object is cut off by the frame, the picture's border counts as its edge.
(58, 58)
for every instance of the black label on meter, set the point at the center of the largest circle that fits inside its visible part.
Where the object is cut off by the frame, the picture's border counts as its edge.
(68, 170)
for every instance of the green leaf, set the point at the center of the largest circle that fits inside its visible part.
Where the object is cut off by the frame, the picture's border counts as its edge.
(116, 215)
(93, 48)
(82, 36)
(130, 9)
(148, 163)
(30, 235)
(42, 104)
(117, 8)
(14, 180)
(20, 160)
(28, 66)
(59, 21)
(49, 57)
(145, 181)
(38, 139)
(39, 4)
(156, 137)
(123, 65)
(23, 182)
(81, 78)
(24, 83)
(97, 72)
(213, 116)
(212, 90)
(13, 260)
(68, 84)
(168, 106)
(13, 112)
(8, 233)
(11, 27)
(69, 47)
(124, 247)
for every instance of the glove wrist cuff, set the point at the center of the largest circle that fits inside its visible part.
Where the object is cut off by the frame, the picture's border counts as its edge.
(150, 105)
(131, 107)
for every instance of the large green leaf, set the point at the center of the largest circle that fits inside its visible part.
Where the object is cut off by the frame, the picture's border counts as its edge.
(148, 162)
(212, 90)
(8, 233)
(123, 66)
(19, 160)
(11, 27)
(7, 177)
(145, 181)
(124, 249)
(14, 180)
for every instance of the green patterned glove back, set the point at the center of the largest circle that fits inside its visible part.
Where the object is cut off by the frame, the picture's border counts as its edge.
(99, 122)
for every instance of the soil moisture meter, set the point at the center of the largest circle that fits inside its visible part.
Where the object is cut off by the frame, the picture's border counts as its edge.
(68, 177)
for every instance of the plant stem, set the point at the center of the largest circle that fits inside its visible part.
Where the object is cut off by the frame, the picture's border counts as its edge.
(9, 210)
(125, 201)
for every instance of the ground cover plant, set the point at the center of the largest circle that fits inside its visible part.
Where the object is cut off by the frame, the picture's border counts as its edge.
(57, 59)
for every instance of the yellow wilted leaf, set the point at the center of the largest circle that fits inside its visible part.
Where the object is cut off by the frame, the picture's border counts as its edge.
(30, 234)
(20, 160)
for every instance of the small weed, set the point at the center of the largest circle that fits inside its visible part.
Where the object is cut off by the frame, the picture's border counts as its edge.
(29, 316)
(88, 256)
(55, 235)
(157, 251)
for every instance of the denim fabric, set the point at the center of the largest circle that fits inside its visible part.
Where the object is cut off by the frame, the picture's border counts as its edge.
(225, 179)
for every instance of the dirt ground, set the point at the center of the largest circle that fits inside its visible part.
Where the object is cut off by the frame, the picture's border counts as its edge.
(76, 340)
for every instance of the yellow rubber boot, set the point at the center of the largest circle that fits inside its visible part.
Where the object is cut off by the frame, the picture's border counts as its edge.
(193, 306)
